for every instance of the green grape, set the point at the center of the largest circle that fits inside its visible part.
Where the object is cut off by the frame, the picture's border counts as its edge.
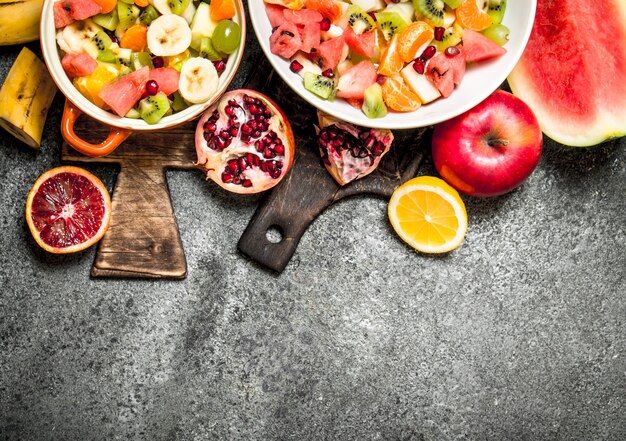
(498, 33)
(226, 37)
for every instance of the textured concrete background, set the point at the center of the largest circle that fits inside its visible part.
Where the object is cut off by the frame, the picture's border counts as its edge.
(517, 335)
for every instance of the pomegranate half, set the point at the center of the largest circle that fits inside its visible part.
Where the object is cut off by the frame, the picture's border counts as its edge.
(244, 142)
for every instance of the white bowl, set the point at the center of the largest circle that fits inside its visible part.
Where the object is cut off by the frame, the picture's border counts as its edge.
(53, 61)
(479, 82)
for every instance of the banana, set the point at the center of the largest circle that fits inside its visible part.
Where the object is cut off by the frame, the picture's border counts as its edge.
(25, 98)
(198, 80)
(72, 38)
(19, 21)
(168, 35)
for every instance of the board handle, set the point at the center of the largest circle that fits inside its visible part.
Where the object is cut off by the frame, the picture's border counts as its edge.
(287, 212)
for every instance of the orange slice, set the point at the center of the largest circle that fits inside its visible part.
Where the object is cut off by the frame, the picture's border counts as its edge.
(106, 5)
(222, 9)
(67, 210)
(390, 60)
(412, 38)
(428, 214)
(399, 97)
(142, 3)
(135, 38)
(291, 4)
(328, 8)
(471, 16)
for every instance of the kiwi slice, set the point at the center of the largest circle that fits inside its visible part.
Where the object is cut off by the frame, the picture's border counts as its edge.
(390, 23)
(141, 59)
(318, 84)
(453, 3)
(178, 6)
(359, 20)
(431, 10)
(123, 56)
(108, 21)
(451, 37)
(127, 15)
(99, 47)
(148, 15)
(496, 10)
(153, 108)
(373, 104)
(179, 102)
(207, 50)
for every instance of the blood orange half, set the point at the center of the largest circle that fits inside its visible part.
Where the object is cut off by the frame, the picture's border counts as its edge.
(67, 210)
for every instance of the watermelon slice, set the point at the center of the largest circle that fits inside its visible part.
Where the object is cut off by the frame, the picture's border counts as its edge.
(363, 44)
(330, 52)
(445, 72)
(78, 65)
(167, 78)
(477, 47)
(62, 15)
(274, 14)
(310, 34)
(354, 81)
(302, 16)
(573, 69)
(285, 40)
(122, 94)
(80, 9)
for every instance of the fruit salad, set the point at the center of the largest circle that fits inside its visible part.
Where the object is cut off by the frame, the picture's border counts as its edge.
(146, 58)
(385, 55)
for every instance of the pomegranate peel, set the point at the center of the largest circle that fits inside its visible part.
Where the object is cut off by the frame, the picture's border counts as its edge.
(350, 152)
(244, 142)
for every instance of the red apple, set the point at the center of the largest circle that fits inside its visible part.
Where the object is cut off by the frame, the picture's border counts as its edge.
(490, 149)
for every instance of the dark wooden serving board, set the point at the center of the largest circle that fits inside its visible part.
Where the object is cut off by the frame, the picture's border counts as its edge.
(143, 239)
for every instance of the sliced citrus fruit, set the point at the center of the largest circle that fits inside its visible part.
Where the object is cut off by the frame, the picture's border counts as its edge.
(390, 60)
(328, 8)
(135, 38)
(222, 9)
(414, 36)
(291, 4)
(67, 210)
(428, 214)
(471, 16)
(398, 96)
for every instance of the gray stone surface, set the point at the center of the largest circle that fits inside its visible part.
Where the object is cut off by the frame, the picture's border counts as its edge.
(517, 335)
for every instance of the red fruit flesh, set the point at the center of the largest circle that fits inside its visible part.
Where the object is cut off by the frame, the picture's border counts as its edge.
(329, 52)
(62, 15)
(82, 9)
(167, 79)
(354, 81)
(285, 41)
(122, 94)
(244, 142)
(574, 79)
(477, 47)
(446, 71)
(274, 14)
(302, 16)
(363, 44)
(350, 152)
(310, 34)
(78, 65)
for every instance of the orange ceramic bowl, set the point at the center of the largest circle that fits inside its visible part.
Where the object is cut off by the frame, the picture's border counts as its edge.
(121, 128)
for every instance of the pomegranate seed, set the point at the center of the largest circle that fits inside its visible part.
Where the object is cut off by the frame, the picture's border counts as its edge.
(229, 110)
(114, 39)
(279, 149)
(279, 165)
(257, 134)
(243, 164)
(439, 32)
(158, 62)
(210, 127)
(429, 52)
(232, 166)
(224, 135)
(264, 165)
(325, 24)
(246, 129)
(268, 153)
(228, 142)
(219, 143)
(219, 66)
(253, 109)
(248, 99)
(275, 174)
(328, 73)
(247, 183)
(234, 131)
(226, 177)
(236, 180)
(380, 79)
(419, 66)
(295, 66)
(452, 51)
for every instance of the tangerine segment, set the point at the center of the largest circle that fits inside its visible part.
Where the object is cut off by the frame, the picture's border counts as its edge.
(399, 97)
(328, 8)
(428, 214)
(390, 60)
(135, 38)
(471, 16)
(106, 5)
(67, 210)
(222, 9)
(142, 3)
(291, 4)
(412, 38)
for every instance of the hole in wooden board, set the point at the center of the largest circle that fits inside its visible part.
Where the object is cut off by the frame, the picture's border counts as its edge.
(274, 234)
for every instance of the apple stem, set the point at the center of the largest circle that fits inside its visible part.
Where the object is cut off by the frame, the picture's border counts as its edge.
(496, 142)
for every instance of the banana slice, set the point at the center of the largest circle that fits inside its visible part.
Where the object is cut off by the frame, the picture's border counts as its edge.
(198, 80)
(73, 37)
(168, 35)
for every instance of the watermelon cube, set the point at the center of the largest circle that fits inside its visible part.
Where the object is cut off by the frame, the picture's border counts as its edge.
(167, 78)
(62, 15)
(122, 94)
(364, 44)
(354, 81)
(78, 65)
(274, 14)
(285, 40)
(79, 9)
(477, 47)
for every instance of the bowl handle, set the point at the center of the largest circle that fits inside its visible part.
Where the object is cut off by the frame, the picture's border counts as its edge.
(115, 138)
